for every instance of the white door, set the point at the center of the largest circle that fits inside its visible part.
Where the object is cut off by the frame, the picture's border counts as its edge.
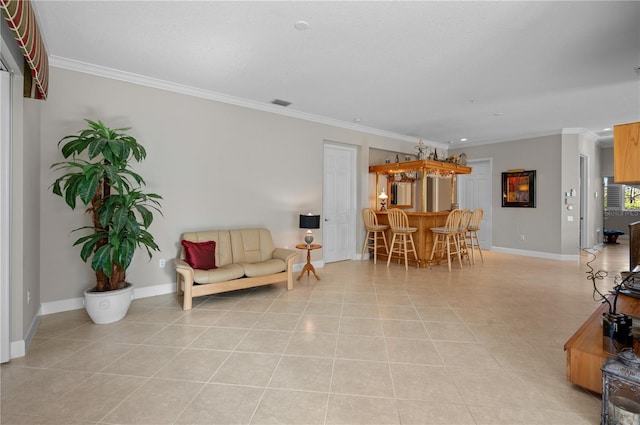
(338, 200)
(474, 191)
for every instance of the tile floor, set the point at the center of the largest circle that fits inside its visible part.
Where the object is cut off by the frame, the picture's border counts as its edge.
(364, 345)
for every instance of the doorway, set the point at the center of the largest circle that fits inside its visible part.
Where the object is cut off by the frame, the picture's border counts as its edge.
(583, 201)
(338, 202)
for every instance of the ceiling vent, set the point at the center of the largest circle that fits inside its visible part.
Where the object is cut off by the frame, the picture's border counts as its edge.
(281, 102)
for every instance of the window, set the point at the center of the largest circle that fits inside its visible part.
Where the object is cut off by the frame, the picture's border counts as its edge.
(621, 197)
(631, 197)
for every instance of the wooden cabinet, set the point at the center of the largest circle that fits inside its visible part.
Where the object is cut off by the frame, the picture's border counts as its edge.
(585, 355)
(626, 153)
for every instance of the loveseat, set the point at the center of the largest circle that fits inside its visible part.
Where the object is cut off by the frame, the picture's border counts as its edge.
(215, 261)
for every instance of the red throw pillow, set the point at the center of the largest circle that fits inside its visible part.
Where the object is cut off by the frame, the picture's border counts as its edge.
(200, 255)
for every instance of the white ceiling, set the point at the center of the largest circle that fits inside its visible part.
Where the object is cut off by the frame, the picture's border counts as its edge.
(437, 70)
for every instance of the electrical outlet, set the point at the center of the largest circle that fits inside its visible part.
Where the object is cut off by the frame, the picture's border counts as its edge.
(521, 237)
(161, 263)
(28, 297)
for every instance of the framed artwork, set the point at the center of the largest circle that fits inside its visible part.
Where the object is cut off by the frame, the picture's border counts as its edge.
(519, 189)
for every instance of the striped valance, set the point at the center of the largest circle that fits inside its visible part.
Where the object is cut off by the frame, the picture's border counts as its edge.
(22, 21)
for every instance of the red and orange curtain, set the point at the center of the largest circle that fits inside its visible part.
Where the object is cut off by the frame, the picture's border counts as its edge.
(22, 21)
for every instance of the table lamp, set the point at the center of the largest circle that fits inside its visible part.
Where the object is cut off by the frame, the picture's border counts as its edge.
(383, 201)
(309, 221)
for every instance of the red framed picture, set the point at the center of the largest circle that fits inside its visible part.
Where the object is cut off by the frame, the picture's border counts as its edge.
(519, 189)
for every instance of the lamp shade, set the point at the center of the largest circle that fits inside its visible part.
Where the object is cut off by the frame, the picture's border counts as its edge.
(309, 221)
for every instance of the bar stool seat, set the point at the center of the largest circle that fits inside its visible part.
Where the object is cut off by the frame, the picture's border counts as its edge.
(375, 232)
(401, 234)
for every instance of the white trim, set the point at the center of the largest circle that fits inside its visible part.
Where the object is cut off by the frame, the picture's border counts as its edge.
(138, 293)
(537, 254)
(61, 305)
(5, 217)
(152, 291)
(18, 349)
(78, 303)
(114, 74)
(31, 332)
(299, 266)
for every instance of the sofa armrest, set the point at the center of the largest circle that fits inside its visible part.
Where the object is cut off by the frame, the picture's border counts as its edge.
(185, 272)
(183, 265)
(284, 254)
(288, 256)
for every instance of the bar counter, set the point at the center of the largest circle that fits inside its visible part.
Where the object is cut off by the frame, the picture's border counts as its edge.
(423, 237)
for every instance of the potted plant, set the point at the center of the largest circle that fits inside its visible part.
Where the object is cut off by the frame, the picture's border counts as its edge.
(616, 327)
(98, 173)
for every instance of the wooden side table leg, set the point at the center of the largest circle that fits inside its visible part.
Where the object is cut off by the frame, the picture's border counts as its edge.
(308, 268)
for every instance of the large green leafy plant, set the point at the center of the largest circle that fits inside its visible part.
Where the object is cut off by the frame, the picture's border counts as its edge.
(97, 172)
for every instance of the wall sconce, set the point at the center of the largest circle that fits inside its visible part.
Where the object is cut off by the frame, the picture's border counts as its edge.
(383, 200)
(309, 221)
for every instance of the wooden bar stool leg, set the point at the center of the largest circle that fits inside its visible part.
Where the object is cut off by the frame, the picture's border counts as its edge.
(458, 247)
(365, 244)
(449, 251)
(384, 239)
(393, 240)
(404, 245)
(375, 247)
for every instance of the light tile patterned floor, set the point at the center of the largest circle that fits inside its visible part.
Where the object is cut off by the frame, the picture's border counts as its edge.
(364, 345)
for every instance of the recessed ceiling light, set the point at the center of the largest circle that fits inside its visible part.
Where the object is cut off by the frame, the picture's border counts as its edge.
(463, 140)
(498, 114)
(301, 25)
(606, 129)
(357, 120)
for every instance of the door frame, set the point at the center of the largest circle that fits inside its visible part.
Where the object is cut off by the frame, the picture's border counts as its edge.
(584, 211)
(5, 215)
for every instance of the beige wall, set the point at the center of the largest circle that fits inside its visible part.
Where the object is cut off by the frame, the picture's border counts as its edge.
(540, 225)
(547, 229)
(216, 166)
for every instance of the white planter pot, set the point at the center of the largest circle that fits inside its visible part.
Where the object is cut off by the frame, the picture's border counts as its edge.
(108, 307)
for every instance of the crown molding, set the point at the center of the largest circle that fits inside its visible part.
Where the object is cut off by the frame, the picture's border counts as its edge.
(114, 74)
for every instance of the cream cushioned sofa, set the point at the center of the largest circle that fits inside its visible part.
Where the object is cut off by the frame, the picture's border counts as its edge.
(244, 258)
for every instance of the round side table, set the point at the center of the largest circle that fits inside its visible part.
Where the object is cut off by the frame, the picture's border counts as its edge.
(308, 267)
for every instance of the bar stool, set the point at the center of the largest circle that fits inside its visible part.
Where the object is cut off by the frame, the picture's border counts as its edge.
(402, 233)
(462, 236)
(375, 231)
(472, 232)
(447, 236)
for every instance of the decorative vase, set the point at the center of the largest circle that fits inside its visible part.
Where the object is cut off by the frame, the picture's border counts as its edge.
(109, 306)
(616, 332)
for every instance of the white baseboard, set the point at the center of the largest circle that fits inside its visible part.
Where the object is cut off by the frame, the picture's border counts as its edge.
(61, 305)
(19, 348)
(142, 292)
(299, 266)
(537, 254)
(78, 303)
